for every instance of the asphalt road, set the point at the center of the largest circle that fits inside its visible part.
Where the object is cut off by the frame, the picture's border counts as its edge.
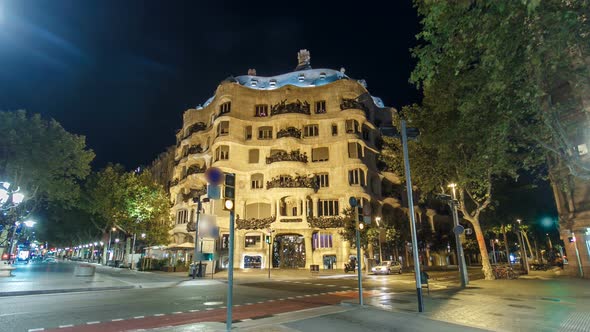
(23, 313)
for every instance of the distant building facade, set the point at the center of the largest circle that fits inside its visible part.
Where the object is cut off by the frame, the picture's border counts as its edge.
(301, 144)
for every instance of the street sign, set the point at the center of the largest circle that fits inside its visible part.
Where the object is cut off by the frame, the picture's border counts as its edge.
(214, 175)
(458, 229)
(353, 202)
(213, 191)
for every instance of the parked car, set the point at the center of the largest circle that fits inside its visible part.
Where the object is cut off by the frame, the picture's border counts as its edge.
(50, 260)
(387, 267)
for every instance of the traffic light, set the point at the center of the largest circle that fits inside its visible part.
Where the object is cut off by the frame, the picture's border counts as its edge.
(229, 191)
(571, 239)
(267, 239)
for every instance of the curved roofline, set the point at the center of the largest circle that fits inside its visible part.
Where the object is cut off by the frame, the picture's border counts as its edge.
(307, 78)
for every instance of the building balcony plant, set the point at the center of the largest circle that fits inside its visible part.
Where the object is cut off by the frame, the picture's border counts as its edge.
(287, 181)
(254, 223)
(294, 155)
(289, 132)
(326, 222)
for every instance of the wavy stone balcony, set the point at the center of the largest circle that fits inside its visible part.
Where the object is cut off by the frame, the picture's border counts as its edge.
(295, 107)
(195, 169)
(199, 126)
(347, 104)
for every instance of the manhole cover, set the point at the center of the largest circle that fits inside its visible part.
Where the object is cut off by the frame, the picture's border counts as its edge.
(521, 306)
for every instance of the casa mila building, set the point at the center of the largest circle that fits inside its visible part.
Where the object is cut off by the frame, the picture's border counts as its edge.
(301, 144)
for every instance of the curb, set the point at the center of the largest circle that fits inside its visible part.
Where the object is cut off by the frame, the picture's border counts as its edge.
(57, 291)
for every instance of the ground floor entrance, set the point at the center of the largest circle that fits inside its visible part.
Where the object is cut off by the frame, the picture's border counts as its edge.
(288, 251)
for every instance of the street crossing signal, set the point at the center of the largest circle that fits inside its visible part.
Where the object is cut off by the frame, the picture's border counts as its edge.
(229, 191)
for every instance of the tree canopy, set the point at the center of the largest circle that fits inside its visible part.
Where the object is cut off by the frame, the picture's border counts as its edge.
(41, 158)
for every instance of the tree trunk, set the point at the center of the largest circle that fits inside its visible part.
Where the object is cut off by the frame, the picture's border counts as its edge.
(506, 244)
(483, 250)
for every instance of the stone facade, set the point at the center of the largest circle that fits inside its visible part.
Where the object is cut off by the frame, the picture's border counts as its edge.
(301, 144)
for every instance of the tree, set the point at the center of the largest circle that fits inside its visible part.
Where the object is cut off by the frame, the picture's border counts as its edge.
(41, 158)
(487, 70)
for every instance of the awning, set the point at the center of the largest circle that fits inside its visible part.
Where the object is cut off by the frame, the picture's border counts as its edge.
(179, 246)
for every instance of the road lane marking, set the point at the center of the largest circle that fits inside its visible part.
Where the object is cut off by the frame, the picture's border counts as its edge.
(249, 303)
(271, 300)
(64, 326)
(246, 319)
(260, 302)
(37, 329)
(197, 310)
(116, 320)
(209, 308)
(177, 312)
(158, 315)
(138, 317)
(92, 323)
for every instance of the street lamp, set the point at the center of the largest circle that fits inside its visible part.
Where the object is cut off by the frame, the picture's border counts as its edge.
(458, 230)
(9, 199)
(358, 226)
(411, 133)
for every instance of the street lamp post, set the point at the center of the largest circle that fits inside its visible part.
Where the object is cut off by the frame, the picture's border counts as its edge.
(13, 239)
(412, 216)
(11, 198)
(458, 230)
(404, 137)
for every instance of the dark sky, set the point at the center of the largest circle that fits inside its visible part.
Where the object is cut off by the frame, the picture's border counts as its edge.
(123, 72)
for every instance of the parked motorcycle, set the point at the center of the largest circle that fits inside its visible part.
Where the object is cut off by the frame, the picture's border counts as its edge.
(349, 267)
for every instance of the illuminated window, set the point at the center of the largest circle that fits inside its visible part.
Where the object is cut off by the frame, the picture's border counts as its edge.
(301, 77)
(321, 240)
(252, 241)
(582, 149)
(261, 110)
(311, 130)
(272, 83)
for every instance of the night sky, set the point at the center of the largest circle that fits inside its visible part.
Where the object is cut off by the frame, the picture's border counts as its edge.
(123, 72)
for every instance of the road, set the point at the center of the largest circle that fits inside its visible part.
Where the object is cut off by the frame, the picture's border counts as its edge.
(24, 313)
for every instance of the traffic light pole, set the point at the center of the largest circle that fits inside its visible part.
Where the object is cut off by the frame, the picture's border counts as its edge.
(460, 253)
(358, 259)
(199, 271)
(230, 272)
(269, 257)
